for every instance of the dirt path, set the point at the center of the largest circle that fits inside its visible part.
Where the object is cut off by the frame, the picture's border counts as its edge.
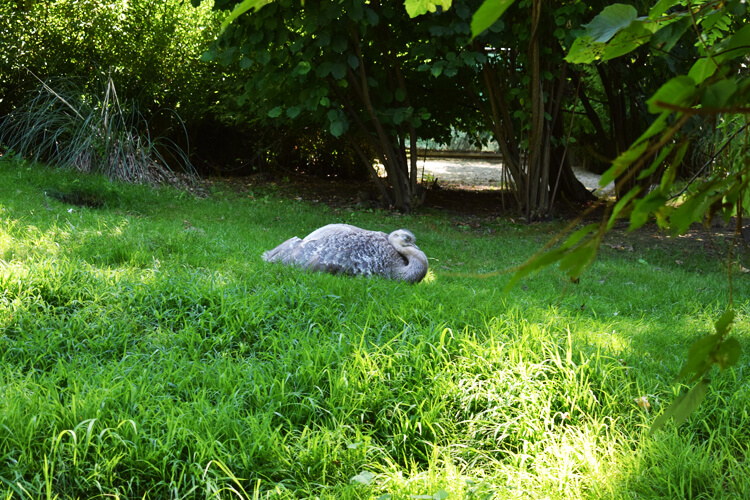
(483, 173)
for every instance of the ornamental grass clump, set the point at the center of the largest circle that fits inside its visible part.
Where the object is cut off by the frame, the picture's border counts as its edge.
(69, 127)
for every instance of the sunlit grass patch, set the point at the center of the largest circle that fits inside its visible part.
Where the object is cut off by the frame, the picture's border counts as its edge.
(142, 358)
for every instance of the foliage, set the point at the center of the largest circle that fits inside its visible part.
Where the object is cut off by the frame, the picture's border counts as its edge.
(347, 73)
(371, 73)
(151, 49)
(67, 128)
(715, 86)
(147, 351)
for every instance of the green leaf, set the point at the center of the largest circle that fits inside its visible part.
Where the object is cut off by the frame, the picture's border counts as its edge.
(275, 112)
(577, 260)
(627, 40)
(699, 357)
(656, 127)
(338, 71)
(322, 39)
(702, 68)
(584, 51)
(664, 417)
(303, 67)
(645, 207)
(534, 264)
(621, 204)
(323, 69)
(418, 7)
(293, 112)
(678, 91)
(337, 129)
(737, 45)
(372, 17)
(365, 478)
(541, 261)
(690, 402)
(264, 57)
(682, 407)
(486, 15)
(245, 62)
(399, 115)
(724, 323)
(667, 36)
(353, 61)
(667, 179)
(209, 55)
(658, 161)
(728, 353)
(339, 44)
(609, 21)
(719, 93)
(622, 162)
(697, 204)
(241, 8)
(661, 7)
(400, 95)
(577, 236)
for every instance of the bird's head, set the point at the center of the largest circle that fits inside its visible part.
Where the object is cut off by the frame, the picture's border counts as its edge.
(402, 238)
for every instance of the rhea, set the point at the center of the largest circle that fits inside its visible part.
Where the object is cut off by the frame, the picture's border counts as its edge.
(346, 249)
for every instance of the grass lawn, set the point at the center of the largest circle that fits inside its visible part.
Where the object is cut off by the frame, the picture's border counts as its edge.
(146, 351)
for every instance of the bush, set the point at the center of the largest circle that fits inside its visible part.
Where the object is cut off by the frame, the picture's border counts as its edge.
(66, 127)
(151, 49)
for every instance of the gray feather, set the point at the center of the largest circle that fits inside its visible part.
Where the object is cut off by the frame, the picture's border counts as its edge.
(346, 249)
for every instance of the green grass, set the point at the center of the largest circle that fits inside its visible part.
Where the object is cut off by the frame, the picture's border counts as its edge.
(146, 351)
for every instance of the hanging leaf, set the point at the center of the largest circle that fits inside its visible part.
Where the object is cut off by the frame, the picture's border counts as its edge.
(241, 8)
(418, 7)
(577, 260)
(661, 7)
(621, 204)
(682, 407)
(737, 45)
(703, 68)
(622, 162)
(486, 15)
(690, 402)
(724, 323)
(718, 94)
(669, 34)
(728, 353)
(678, 91)
(609, 21)
(644, 207)
(627, 40)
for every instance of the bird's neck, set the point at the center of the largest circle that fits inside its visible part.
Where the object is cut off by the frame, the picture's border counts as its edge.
(416, 265)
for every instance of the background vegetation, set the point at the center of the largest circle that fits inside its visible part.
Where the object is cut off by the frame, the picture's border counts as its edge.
(147, 351)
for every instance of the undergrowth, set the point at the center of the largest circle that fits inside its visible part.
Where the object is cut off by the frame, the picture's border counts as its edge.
(146, 351)
(62, 124)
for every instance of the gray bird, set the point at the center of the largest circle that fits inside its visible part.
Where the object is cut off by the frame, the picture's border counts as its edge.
(341, 248)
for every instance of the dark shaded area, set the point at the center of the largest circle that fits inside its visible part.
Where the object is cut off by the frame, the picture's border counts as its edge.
(77, 197)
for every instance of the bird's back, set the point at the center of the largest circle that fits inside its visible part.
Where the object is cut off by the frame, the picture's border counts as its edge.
(349, 252)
